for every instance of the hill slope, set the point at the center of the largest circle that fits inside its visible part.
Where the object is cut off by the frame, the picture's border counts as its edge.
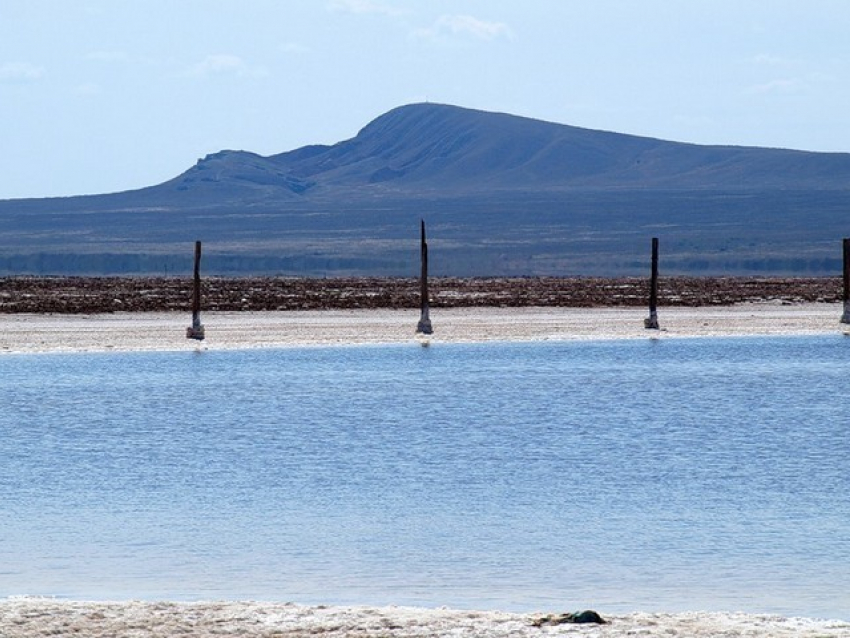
(463, 150)
(459, 151)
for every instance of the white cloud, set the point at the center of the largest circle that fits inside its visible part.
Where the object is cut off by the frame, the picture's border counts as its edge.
(768, 60)
(226, 64)
(453, 26)
(781, 86)
(293, 48)
(107, 56)
(365, 6)
(19, 72)
(88, 88)
(775, 61)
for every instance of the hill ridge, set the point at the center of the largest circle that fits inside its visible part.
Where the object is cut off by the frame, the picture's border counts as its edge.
(468, 149)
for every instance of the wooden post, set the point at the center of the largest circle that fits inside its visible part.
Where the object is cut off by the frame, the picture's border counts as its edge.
(196, 330)
(424, 325)
(845, 318)
(652, 321)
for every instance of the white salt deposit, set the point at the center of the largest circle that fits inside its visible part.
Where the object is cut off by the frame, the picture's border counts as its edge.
(31, 617)
(167, 331)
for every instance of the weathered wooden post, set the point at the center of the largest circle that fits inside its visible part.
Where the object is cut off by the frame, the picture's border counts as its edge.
(845, 318)
(196, 330)
(424, 325)
(652, 321)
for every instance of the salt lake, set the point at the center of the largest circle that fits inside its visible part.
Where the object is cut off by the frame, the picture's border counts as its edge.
(668, 474)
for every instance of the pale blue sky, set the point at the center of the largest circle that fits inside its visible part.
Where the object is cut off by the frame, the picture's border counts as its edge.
(107, 95)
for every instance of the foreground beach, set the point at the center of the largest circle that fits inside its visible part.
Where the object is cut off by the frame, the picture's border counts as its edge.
(31, 617)
(165, 331)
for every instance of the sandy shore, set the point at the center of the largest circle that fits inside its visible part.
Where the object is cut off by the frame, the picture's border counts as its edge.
(22, 333)
(31, 617)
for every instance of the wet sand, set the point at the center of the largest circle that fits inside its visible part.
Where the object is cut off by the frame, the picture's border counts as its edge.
(166, 331)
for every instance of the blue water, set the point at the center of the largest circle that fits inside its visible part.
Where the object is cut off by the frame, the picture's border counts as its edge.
(656, 475)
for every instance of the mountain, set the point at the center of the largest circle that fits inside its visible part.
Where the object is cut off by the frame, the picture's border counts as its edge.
(461, 151)
(501, 194)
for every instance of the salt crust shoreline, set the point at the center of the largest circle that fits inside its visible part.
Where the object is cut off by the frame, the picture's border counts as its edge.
(129, 332)
(30, 617)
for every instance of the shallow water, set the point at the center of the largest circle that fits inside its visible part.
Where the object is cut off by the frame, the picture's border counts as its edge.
(667, 474)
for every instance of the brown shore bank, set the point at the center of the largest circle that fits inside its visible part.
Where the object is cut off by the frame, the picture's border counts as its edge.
(97, 295)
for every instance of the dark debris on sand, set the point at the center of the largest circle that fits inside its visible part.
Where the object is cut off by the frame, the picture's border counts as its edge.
(586, 617)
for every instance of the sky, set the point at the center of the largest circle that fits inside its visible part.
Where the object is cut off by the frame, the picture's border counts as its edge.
(101, 96)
